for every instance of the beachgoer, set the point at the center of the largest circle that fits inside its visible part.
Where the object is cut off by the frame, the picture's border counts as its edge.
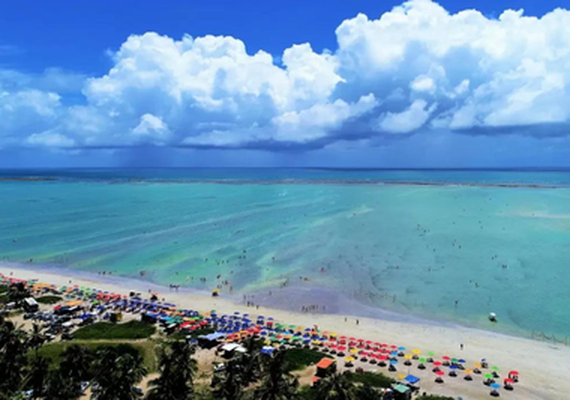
(461, 346)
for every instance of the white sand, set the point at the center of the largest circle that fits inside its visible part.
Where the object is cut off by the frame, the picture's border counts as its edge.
(544, 368)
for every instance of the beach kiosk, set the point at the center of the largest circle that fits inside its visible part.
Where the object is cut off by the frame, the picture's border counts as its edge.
(325, 367)
(401, 392)
(31, 305)
(229, 349)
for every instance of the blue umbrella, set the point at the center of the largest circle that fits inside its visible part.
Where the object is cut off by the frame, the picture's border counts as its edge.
(495, 386)
(394, 353)
(401, 348)
(461, 361)
(453, 366)
(393, 362)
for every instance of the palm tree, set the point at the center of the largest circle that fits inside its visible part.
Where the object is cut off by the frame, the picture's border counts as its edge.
(116, 374)
(37, 376)
(76, 363)
(228, 384)
(276, 383)
(177, 369)
(60, 387)
(366, 392)
(13, 360)
(250, 362)
(36, 338)
(18, 292)
(336, 387)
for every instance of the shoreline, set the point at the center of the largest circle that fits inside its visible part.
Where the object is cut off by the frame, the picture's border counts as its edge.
(542, 365)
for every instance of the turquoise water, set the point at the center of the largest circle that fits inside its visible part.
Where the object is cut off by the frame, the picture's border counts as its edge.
(409, 248)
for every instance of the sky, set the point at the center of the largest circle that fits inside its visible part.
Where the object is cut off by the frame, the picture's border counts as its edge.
(337, 83)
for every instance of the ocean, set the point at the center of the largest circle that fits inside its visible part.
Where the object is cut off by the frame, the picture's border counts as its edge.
(437, 244)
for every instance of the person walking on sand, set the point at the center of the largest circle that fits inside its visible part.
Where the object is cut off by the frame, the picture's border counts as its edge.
(461, 346)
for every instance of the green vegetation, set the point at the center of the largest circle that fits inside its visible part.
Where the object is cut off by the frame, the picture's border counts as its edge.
(146, 349)
(107, 330)
(49, 299)
(373, 379)
(434, 397)
(297, 359)
(181, 334)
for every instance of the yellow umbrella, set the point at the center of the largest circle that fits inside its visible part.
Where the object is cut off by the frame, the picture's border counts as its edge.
(416, 351)
(408, 356)
(401, 376)
(477, 365)
(354, 351)
(276, 344)
(349, 359)
(333, 334)
(468, 371)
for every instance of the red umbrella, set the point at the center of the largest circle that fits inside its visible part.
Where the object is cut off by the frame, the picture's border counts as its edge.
(332, 346)
(508, 380)
(446, 358)
(437, 363)
(439, 373)
(383, 357)
(364, 353)
(360, 340)
(352, 339)
(341, 348)
(393, 346)
(342, 337)
(514, 373)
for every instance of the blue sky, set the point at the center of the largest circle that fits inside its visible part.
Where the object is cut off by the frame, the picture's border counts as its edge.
(291, 83)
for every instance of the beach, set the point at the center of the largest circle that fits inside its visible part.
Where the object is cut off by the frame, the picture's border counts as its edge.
(543, 367)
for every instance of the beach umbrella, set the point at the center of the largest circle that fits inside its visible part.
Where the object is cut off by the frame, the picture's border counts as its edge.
(430, 353)
(495, 385)
(508, 380)
(349, 359)
(401, 348)
(453, 367)
(422, 360)
(489, 376)
(416, 351)
(461, 361)
(393, 362)
(341, 348)
(439, 373)
(437, 363)
(495, 368)
(446, 358)
(468, 371)
(354, 351)
(408, 356)
(477, 365)
(514, 373)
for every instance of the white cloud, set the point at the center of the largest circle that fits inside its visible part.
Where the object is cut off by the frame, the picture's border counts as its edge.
(408, 120)
(151, 126)
(50, 139)
(386, 77)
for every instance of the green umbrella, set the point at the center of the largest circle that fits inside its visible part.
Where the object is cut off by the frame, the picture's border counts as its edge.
(454, 360)
(495, 368)
(422, 360)
(431, 353)
(489, 376)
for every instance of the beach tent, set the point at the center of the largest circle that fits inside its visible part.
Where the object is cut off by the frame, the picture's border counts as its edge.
(325, 366)
(412, 379)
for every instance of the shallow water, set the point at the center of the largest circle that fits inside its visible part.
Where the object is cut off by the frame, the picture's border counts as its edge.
(412, 249)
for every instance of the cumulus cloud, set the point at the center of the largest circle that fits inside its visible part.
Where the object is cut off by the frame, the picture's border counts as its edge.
(415, 68)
